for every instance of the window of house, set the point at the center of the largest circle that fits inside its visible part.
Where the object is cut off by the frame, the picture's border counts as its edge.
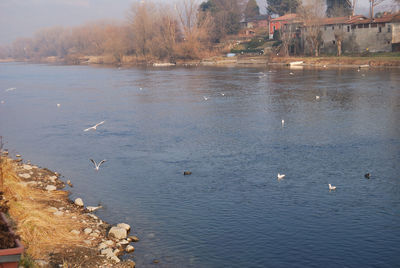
(366, 25)
(353, 26)
(325, 28)
(388, 28)
(334, 42)
(340, 26)
(359, 26)
(333, 27)
(374, 25)
(379, 29)
(348, 28)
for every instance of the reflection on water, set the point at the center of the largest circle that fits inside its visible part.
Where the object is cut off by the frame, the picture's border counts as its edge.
(232, 211)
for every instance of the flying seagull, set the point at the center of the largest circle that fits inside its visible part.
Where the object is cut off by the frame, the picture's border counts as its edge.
(10, 89)
(95, 126)
(205, 98)
(331, 187)
(281, 176)
(97, 166)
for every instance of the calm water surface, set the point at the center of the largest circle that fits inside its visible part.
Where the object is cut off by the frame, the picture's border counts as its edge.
(232, 211)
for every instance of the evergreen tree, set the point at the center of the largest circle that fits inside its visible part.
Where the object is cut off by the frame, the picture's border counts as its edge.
(252, 9)
(282, 7)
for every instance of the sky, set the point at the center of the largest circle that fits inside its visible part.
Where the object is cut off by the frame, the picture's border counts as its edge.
(22, 18)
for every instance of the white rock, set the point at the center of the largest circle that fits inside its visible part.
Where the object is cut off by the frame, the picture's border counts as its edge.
(58, 213)
(117, 232)
(115, 258)
(102, 246)
(94, 235)
(116, 252)
(124, 242)
(129, 249)
(53, 178)
(109, 243)
(51, 188)
(106, 251)
(79, 202)
(87, 231)
(27, 167)
(124, 225)
(75, 232)
(25, 175)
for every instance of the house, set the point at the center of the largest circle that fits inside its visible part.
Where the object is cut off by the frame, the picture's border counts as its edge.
(277, 23)
(250, 25)
(352, 34)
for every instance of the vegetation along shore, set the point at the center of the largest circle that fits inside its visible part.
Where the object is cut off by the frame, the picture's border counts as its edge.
(56, 231)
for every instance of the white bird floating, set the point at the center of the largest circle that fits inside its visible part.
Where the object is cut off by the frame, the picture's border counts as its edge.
(281, 176)
(205, 98)
(331, 187)
(2, 102)
(58, 105)
(95, 126)
(291, 73)
(97, 166)
(222, 94)
(91, 209)
(317, 97)
(283, 123)
(10, 89)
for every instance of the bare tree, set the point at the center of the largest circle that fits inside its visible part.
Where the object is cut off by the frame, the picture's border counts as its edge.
(339, 36)
(311, 15)
(141, 20)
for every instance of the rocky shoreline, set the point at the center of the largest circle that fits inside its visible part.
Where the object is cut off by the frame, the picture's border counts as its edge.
(97, 243)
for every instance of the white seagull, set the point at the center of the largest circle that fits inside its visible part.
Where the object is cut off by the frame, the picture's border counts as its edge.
(97, 166)
(95, 126)
(281, 176)
(283, 123)
(58, 105)
(10, 89)
(222, 94)
(317, 97)
(205, 98)
(331, 187)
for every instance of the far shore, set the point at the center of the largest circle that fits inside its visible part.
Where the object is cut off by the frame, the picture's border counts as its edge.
(235, 61)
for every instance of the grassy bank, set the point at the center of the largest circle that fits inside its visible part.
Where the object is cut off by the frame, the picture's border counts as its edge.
(51, 227)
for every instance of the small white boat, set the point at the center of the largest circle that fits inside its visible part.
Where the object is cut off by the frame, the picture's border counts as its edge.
(294, 63)
(163, 64)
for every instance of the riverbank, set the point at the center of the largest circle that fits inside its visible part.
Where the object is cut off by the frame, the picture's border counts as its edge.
(54, 230)
(373, 60)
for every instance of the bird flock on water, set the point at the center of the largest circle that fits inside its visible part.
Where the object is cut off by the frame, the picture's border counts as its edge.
(94, 127)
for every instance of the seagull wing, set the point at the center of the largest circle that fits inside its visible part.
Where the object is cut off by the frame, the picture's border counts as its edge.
(98, 124)
(89, 128)
(102, 161)
(94, 162)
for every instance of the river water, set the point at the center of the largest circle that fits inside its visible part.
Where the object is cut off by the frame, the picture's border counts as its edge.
(232, 211)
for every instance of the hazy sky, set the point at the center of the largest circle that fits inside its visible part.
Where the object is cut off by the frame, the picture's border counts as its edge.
(21, 18)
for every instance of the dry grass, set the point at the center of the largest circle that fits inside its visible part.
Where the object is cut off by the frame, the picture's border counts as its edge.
(40, 230)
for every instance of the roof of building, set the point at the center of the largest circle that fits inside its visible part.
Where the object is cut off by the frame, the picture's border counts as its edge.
(290, 16)
(384, 19)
